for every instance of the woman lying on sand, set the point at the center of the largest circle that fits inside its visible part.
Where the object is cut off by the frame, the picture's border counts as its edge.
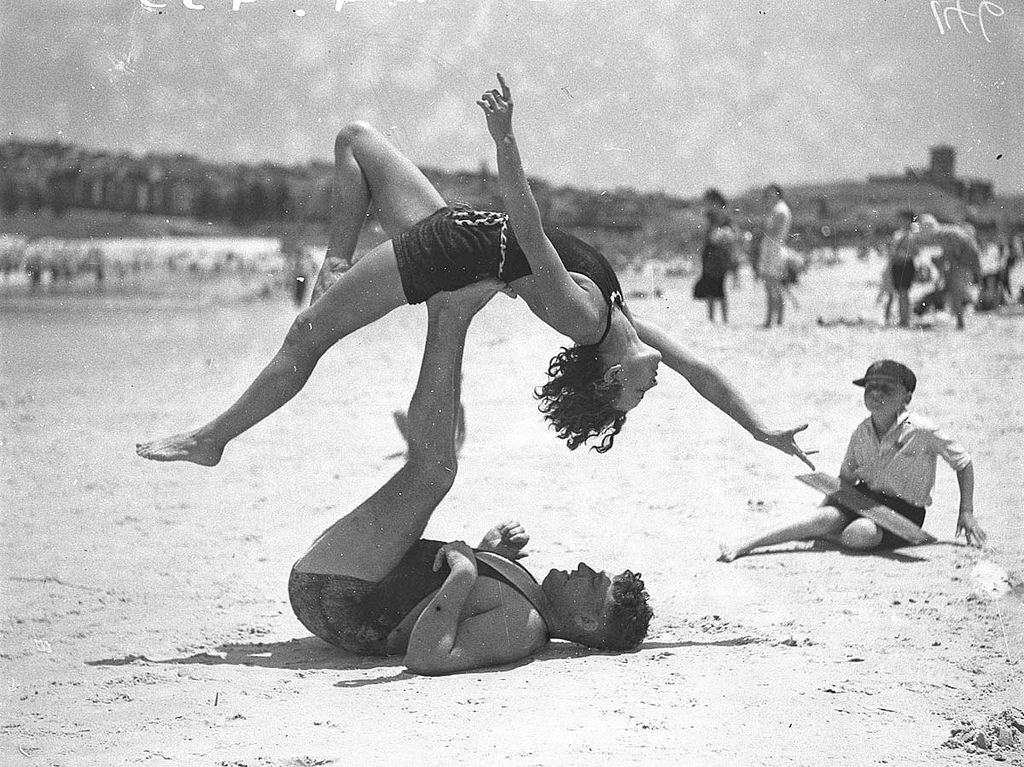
(435, 247)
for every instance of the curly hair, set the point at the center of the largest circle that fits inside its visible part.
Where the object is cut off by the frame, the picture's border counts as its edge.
(577, 401)
(626, 624)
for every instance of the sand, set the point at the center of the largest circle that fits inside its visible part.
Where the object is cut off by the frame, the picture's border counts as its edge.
(145, 613)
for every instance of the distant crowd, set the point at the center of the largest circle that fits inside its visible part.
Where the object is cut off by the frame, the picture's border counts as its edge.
(53, 263)
(928, 266)
(955, 265)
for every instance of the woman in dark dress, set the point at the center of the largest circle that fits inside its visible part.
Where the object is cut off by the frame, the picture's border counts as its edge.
(716, 256)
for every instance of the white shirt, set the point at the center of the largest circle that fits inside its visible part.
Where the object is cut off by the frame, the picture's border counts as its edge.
(902, 462)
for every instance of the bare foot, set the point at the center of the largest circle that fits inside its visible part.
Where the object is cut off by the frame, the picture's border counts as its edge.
(181, 447)
(728, 553)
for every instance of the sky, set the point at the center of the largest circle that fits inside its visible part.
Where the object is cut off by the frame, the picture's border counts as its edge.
(657, 95)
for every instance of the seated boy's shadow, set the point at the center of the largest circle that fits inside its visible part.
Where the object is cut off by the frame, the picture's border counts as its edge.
(897, 555)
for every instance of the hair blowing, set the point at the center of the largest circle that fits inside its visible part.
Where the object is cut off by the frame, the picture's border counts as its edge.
(577, 401)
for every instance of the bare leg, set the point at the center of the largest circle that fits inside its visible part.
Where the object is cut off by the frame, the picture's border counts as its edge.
(369, 170)
(364, 294)
(370, 541)
(903, 306)
(861, 535)
(824, 521)
(402, 422)
(773, 298)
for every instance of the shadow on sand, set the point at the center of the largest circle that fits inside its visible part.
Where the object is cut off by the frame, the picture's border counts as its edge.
(312, 654)
(897, 555)
(307, 654)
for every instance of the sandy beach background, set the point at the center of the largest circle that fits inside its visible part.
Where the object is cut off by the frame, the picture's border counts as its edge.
(145, 617)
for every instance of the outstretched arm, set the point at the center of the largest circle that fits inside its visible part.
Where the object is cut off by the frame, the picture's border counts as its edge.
(712, 386)
(567, 306)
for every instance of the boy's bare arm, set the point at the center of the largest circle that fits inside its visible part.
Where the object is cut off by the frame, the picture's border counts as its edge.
(966, 522)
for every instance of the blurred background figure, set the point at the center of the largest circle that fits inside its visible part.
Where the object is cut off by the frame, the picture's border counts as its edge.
(716, 255)
(301, 269)
(901, 265)
(959, 264)
(994, 257)
(771, 260)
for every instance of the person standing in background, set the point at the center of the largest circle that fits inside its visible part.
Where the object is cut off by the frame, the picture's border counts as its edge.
(901, 264)
(959, 262)
(771, 263)
(716, 254)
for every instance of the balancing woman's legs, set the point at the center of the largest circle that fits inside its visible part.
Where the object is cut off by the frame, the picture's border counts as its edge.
(368, 169)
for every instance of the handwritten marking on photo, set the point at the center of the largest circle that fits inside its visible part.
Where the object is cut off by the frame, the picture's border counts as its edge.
(943, 9)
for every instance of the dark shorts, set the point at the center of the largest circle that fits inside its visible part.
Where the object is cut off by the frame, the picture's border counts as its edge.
(902, 272)
(330, 606)
(889, 540)
(451, 248)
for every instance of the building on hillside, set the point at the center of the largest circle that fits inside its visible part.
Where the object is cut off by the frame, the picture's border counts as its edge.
(941, 172)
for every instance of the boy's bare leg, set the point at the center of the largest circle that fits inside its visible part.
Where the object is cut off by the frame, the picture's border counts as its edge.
(370, 541)
(369, 170)
(366, 292)
(825, 521)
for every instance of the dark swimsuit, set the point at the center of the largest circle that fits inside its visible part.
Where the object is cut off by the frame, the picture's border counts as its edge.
(457, 246)
(358, 616)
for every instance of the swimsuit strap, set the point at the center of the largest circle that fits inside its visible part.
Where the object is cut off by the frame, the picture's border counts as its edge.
(615, 299)
(519, 579)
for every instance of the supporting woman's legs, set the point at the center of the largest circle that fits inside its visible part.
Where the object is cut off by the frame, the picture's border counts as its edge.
(362, 295)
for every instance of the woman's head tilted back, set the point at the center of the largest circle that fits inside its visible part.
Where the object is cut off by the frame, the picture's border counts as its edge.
(591, 386)
(578, 399)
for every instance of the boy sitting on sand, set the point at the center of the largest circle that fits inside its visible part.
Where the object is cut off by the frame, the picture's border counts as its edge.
(891, 458)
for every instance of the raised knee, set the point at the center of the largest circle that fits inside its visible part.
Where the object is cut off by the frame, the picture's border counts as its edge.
(351, 134)
(861, 534)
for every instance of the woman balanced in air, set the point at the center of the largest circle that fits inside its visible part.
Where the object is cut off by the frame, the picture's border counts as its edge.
(435, 247)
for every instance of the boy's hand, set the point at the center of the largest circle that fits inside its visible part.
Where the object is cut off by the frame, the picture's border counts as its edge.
(785, 440)
(972, 531)
(507, 539)
(498, 108)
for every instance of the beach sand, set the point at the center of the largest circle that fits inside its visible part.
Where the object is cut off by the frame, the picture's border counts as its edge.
(145, 609)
